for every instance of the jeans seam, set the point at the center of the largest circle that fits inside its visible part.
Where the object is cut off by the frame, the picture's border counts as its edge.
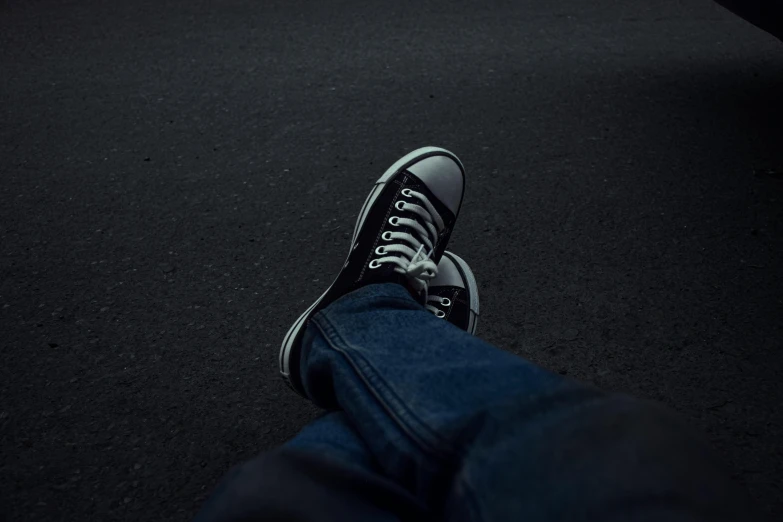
(400, 414)
(473, 501)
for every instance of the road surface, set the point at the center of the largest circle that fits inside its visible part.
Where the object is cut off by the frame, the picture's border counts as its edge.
(178, 179)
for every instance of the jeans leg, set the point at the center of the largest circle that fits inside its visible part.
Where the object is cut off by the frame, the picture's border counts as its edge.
(325, 473)
(476, 433)
(333, 437)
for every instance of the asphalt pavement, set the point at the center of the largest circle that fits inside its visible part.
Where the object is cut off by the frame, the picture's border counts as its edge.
(179, 179)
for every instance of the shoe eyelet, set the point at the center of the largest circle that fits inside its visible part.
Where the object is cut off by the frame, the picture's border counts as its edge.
(400, 205)
(440, 314)
(385, 237)
(394, 221)
(381, 251)
(406, 193)
(374, 264)
(445, 301)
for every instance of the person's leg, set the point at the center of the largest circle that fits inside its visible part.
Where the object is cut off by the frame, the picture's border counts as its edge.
(476, 433)
(325, 473)
(332, 436)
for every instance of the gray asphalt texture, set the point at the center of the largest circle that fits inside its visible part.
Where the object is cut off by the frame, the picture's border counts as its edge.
(179, 179)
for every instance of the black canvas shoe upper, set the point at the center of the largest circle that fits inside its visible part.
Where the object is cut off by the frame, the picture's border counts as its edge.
(451, 304)
(379, 229)
(453, 293)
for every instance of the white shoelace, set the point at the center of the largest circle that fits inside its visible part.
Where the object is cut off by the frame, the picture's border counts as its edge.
(410, 258)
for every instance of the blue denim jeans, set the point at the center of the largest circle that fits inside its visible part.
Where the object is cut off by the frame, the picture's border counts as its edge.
(428, 422)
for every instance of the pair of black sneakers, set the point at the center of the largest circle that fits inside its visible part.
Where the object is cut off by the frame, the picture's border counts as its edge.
(401, 236)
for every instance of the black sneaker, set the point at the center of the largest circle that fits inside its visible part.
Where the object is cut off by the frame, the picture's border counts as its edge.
(453, 293)
(400, 237)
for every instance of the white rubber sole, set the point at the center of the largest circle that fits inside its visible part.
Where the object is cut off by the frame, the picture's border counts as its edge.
(293, 332)
(472, 286)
